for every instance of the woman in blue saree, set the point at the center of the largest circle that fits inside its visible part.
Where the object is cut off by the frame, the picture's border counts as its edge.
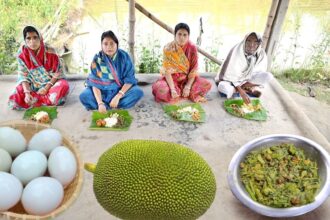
(111, 82)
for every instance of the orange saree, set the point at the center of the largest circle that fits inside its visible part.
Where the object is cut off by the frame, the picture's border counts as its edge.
(182, 64)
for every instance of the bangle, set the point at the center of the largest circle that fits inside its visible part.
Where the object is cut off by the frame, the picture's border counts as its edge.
(27, 91)
(101, 103)
(50, 83)
(121, 92)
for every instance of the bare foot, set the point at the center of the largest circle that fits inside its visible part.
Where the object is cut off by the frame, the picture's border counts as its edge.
(254, 91)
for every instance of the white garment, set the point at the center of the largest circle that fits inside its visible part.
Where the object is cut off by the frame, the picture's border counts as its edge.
(239, 67)
(226, 88)
(258, 78)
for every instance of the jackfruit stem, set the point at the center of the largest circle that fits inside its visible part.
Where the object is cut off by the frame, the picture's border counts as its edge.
(90, 167)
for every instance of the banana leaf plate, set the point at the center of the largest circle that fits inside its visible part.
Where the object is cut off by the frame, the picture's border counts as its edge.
(197, 115)
(124, 120)
(51, 111)
(234, 107)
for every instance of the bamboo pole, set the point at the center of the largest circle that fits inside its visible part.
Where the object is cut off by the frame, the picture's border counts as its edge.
(169, 29)
(53, 25)
(275, 29)
(131, 40)
(270, 23)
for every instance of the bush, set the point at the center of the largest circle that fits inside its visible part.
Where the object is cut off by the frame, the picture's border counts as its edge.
(149, 60)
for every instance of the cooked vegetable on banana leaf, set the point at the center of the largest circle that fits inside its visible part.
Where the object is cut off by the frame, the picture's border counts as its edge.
(251, 111)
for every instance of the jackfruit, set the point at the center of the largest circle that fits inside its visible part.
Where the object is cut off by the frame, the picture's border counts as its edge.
(150, 179)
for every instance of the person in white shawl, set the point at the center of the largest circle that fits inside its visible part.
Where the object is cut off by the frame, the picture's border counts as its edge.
(245, 69)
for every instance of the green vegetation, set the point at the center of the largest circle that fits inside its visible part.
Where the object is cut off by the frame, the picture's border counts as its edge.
(149, 57)
(14, 15)
(311, 71)
(321, 92)
(320, 58)
(301, 75)
(211, 66)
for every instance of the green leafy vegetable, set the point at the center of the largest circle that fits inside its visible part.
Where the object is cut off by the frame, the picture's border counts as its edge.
(280, 176)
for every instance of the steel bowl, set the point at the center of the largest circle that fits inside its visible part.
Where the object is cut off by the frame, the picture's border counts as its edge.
(312, 150)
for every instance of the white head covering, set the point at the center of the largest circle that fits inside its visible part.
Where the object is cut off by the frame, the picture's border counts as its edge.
(239, 66)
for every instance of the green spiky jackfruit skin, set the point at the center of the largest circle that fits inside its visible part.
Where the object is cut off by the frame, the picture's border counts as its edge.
(148, 179)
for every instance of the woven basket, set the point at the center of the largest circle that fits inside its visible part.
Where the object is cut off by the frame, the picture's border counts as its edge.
(71, 192)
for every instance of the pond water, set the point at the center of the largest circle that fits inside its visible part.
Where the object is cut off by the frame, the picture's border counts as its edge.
(224, 24)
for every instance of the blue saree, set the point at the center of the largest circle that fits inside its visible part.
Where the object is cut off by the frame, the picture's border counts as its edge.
(109, 75)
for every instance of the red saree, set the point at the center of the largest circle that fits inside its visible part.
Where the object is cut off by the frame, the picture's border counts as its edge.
(38, 70)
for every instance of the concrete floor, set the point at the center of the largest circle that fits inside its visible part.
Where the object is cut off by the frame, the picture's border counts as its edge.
(216, 141)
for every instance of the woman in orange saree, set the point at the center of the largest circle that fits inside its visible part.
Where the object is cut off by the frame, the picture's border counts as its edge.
(179, 71)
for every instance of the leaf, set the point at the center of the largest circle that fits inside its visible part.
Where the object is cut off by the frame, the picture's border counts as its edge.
(260, 115)
(51, 110)
(171, 110)
(127, 120)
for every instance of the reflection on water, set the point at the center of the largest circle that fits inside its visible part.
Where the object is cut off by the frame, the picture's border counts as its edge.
(224, 24)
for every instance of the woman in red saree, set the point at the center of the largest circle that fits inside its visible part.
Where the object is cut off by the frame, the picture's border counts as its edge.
(40, 78)
(179, 71)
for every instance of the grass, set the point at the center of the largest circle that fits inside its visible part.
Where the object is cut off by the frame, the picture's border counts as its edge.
(313, 71)
(322, 92)
(299, 81)
(312, 76)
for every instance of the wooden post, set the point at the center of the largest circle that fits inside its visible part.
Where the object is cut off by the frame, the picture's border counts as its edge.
(169, 29)
(131, 40)
(201, 31)
(270, 22)
(274, 24)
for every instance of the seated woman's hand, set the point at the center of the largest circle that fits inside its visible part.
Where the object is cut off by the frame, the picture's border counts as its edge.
(102, 108)
(186, 92)
(174, 94)
(42, 91)
(28, 98)
(115, 100)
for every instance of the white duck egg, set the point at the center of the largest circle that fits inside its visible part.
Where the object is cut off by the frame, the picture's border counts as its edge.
(45, 140)
(62, 165)
(10, 191)
(12, 141)
(42, 196)
(29, 165)
(5, 160)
